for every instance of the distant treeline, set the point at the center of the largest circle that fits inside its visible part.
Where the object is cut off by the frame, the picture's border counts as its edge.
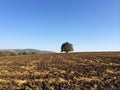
(14, 54)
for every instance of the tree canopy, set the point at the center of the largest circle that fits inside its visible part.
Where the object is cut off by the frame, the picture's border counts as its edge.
(66, 47)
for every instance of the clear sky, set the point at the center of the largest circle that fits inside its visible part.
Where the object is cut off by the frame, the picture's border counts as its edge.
(90, 25)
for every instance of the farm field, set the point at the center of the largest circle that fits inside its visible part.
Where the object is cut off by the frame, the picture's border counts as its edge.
(73, 71)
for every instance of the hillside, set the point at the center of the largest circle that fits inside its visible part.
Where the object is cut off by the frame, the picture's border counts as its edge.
(9, 52)
(75, 71)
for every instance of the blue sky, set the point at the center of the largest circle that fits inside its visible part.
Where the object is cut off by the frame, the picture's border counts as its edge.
(90, 25)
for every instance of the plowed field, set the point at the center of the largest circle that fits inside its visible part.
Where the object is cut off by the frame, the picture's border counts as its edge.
(73, 71)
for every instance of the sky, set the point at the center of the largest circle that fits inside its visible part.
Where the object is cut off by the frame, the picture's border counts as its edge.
(90, 25)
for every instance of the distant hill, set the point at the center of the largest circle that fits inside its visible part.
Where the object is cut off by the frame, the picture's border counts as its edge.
(32, 50)
(4, 52)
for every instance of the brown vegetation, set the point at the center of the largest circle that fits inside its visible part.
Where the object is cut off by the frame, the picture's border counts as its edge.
(76, 71)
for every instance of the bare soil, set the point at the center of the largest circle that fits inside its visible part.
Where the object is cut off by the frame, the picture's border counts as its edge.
(73, 71)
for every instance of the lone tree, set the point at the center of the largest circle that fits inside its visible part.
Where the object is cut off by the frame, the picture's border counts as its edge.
(66, 47)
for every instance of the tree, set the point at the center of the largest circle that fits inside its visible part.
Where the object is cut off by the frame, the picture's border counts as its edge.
(12, 54)
(1, 54)
(20, 53)
(66, 47)
(33, 53)
(24, 53)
